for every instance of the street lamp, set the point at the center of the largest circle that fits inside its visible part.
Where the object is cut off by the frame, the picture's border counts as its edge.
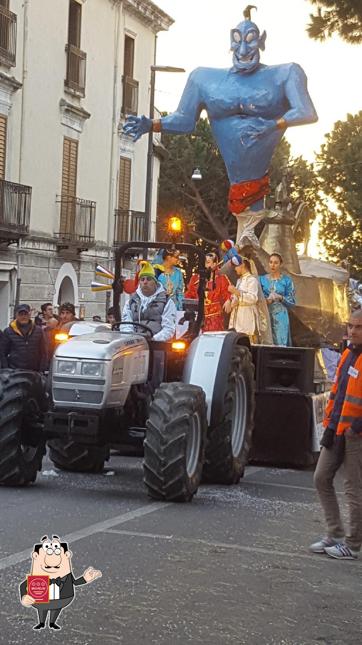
(196, 175)
(149, 177)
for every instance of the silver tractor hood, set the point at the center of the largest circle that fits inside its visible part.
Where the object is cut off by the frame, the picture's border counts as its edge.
(96, 371)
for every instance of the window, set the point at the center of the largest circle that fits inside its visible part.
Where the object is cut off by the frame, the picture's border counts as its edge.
(3, 130)
(128, 62)
(74, 23)
(69, 186)
(4, 3)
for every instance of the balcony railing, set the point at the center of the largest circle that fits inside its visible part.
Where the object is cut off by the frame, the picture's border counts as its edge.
(76, 69)
(129, 226)
(15, 202)
(7, 37)
(76, 222)
(130, 96)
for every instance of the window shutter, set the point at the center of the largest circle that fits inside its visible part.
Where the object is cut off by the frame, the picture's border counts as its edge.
(124, 192)
(70, 163)
(124, 199)
(75, 23)
(3, 128)
(128, 56)
(69, 186)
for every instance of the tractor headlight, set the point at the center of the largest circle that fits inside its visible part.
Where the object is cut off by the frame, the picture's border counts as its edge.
(66, 367)
(92, 369)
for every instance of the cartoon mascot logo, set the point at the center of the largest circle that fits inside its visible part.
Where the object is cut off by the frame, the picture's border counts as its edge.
(50, 585)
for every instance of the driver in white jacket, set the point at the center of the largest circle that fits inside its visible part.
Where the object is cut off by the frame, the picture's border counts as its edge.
(150, 305)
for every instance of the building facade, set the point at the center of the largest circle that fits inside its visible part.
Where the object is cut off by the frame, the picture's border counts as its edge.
(71, 185)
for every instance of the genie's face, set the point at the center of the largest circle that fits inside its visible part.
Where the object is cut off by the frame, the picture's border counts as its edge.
(246, 44)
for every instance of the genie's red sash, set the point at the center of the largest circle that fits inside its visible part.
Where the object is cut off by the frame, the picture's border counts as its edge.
(245, 193)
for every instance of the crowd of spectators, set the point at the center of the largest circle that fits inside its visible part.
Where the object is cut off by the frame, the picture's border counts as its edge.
(29, 343)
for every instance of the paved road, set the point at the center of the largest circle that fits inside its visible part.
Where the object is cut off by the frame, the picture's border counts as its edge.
(230, 568)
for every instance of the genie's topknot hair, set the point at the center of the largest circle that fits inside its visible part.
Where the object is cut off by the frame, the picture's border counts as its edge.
(247, 11)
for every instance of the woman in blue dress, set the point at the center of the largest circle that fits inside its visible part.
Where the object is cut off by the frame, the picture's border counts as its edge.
(279, 293)
(172, 278)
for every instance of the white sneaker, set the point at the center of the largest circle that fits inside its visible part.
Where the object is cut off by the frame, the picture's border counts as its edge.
(341, 552)
(323, 544)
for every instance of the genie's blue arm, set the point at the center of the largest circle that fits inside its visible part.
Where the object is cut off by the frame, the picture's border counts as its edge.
(183, 121)
(301, 107)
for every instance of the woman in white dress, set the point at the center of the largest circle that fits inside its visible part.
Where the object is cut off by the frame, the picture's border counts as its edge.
(242, 306)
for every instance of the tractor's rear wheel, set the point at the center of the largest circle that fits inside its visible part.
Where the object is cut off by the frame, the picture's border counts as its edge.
(67, 454)
(175, 442)
(229, 440)
(22, 445)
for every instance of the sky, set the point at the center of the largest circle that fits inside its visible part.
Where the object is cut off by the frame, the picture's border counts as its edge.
(200, 36)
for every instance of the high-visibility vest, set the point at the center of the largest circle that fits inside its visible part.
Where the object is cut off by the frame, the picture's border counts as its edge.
(352, 404)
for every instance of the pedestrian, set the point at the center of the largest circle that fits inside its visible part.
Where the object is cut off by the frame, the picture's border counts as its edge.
(171, 277)
(48, 322)
(278, 289)
(242, 306)
(216, 293)
(111, 317)
(23, 343)
(342, 444)
(46, 317)
(66, 316)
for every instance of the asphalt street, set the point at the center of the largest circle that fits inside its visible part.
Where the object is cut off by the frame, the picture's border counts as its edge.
(232, 567)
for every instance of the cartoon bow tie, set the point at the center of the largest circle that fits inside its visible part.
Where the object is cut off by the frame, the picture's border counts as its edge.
(56, 581)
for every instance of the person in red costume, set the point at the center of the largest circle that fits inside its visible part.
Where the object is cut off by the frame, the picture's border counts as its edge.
(216, 293)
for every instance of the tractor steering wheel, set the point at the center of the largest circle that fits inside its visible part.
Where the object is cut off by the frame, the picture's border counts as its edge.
(135, 324)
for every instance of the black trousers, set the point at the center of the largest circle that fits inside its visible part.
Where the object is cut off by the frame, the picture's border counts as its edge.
(54, 606)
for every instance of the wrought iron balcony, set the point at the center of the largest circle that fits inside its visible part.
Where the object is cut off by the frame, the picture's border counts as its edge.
(76, 222)
(130, 96)
(7, 37)
(15, 202)
(76, 69)
(129, 225)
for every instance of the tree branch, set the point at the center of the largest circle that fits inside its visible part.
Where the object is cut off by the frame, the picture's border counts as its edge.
(221, 231)
(197, 236)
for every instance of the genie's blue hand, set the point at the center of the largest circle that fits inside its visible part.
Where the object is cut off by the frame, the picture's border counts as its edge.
(136, 126)
(256, 130)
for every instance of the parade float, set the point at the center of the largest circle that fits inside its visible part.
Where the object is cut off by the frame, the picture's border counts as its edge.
(250, 106)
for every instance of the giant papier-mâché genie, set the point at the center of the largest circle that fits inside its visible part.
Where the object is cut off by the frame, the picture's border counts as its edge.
(249, 107)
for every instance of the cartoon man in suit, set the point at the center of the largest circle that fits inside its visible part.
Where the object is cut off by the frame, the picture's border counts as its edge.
(52, 558)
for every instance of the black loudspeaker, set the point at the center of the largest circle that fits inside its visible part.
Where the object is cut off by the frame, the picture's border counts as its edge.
(284, 369)
(283, 427)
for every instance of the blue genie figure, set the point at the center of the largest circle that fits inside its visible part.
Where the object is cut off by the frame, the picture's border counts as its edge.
(249, 108)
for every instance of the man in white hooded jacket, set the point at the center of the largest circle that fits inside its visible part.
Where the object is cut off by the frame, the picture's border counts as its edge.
(151, 306)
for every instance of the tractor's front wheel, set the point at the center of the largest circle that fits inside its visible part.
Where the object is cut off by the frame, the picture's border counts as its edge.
(175, 442)
(67, 454)
(22, 445)
(229, 439)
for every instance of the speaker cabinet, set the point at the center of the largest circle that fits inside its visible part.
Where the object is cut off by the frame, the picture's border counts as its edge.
(283, 429)
(284, 369)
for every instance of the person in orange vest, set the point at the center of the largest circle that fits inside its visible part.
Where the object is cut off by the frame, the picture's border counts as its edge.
(216, 294)
(342, 443)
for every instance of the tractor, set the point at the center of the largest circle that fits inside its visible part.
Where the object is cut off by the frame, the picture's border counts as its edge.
(191, 401)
